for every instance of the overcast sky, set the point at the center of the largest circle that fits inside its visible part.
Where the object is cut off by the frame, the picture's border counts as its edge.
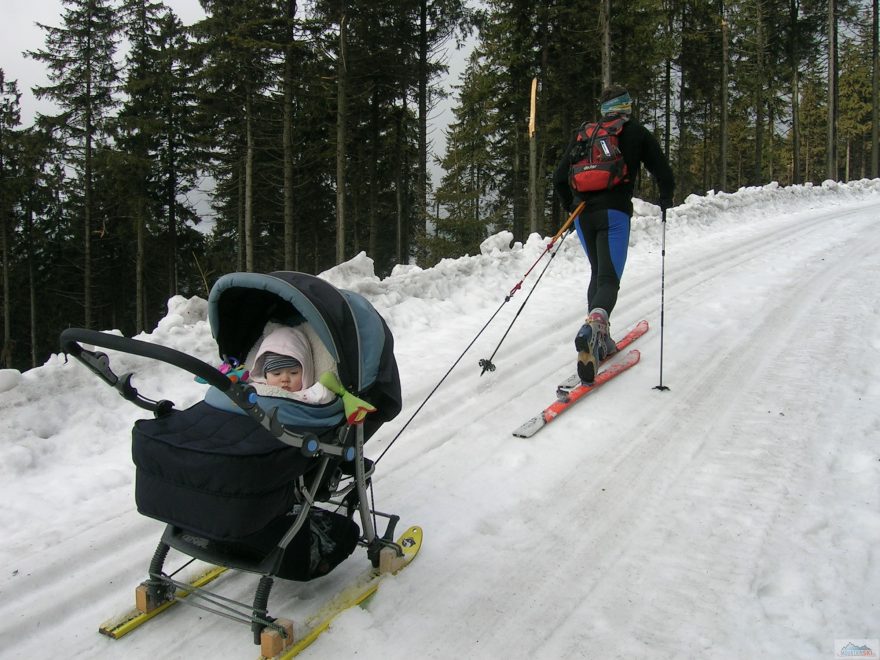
(19, 32)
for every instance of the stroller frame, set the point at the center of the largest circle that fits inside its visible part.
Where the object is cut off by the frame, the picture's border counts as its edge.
(347, 447)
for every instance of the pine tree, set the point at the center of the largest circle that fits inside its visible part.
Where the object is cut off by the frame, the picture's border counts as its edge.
(179, 153)
(10, 119)
(287, 38)
(855, 105)
(875, 89)
(465, 193)
(35, 250)
(138, 123)
(235, 47)
(83, 77)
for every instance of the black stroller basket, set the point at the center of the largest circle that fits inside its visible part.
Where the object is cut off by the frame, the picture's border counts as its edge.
(259, 484)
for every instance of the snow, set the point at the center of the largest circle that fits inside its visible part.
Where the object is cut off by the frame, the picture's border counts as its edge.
(734, 516)
(9, 378)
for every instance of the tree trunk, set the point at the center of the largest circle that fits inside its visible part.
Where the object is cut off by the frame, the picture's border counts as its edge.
(32, 281)
(171, 187)
(667, 129)
(724, 102)
(249, 184)
(87, 221)
(341, 82)
(240, 211)
(354, 215)
(140, 232)
(875, 95)
(771, 174)
(807, 161)
(682, 121)
(795, 95)
(290, 258)
(402, 228)
(540, 183)
(708, 137)
(667, 82)
(707, 111)
(759, 93)
(605, 26)
(373, 219)
(831, 137)
(422, 182)
(6, 354)
(398, 184)
(171, 203)
(5, 212)
(739, 170)
(682, 135)
(516, 198)
(171, 195)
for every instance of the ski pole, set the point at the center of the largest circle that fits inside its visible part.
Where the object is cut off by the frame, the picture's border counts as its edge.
(516, 287)
(486, 363)
(661, 386)
(571, 217)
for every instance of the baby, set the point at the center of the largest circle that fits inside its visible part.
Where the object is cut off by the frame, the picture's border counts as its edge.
(283, 371)
(284, 367)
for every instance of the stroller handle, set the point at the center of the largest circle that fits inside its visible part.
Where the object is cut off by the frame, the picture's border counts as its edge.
(99, 364)
(71, 337)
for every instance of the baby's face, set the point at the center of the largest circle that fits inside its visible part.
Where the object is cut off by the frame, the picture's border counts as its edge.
(288, 378)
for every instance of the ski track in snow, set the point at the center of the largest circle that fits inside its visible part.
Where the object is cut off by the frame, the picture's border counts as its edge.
(645, 475)
(658, 524)
(743, 512)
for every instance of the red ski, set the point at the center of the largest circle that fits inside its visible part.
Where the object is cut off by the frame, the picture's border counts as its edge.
(565, 387)
(550, 413)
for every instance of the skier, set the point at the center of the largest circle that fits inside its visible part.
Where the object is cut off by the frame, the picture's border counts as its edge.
(603, 225)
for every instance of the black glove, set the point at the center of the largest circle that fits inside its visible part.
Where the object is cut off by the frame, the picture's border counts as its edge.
(665, 203)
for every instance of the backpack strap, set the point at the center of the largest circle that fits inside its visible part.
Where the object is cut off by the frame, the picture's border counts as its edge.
(584, 141)
(597, 127)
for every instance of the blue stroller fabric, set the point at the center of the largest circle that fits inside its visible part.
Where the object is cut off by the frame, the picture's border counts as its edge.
(355, 335)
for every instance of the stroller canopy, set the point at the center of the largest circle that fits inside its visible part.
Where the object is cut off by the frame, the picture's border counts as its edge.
(355, 335)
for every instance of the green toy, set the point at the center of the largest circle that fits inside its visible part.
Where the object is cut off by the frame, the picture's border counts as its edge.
(356, 409)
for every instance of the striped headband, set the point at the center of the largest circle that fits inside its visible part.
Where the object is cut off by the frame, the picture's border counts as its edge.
(621, 105)
(276, 362)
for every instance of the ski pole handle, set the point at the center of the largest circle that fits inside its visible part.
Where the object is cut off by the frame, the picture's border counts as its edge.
(518, 285)
(571, 217)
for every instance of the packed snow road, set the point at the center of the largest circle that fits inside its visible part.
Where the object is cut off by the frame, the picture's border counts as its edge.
(734, 515)
(730, 515)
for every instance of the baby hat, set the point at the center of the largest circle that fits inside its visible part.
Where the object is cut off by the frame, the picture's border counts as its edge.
(276, 361)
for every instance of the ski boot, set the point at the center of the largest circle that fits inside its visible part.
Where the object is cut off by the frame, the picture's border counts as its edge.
(591, 344)
(610, 344)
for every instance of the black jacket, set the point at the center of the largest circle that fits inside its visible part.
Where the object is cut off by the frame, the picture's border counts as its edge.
(639, 147)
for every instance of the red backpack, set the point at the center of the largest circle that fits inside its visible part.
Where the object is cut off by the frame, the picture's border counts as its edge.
(596, 160)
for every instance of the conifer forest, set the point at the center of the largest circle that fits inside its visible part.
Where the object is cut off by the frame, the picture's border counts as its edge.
(284, 135)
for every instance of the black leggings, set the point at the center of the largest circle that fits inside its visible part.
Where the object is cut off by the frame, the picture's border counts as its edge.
(604, 235)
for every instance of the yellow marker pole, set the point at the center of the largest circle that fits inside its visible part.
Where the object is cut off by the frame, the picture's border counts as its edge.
(533, 161)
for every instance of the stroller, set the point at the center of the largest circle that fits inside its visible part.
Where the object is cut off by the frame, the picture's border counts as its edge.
(261, 484)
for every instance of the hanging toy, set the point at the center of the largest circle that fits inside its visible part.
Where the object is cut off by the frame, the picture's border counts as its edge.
(356, 409)
(231, 368)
